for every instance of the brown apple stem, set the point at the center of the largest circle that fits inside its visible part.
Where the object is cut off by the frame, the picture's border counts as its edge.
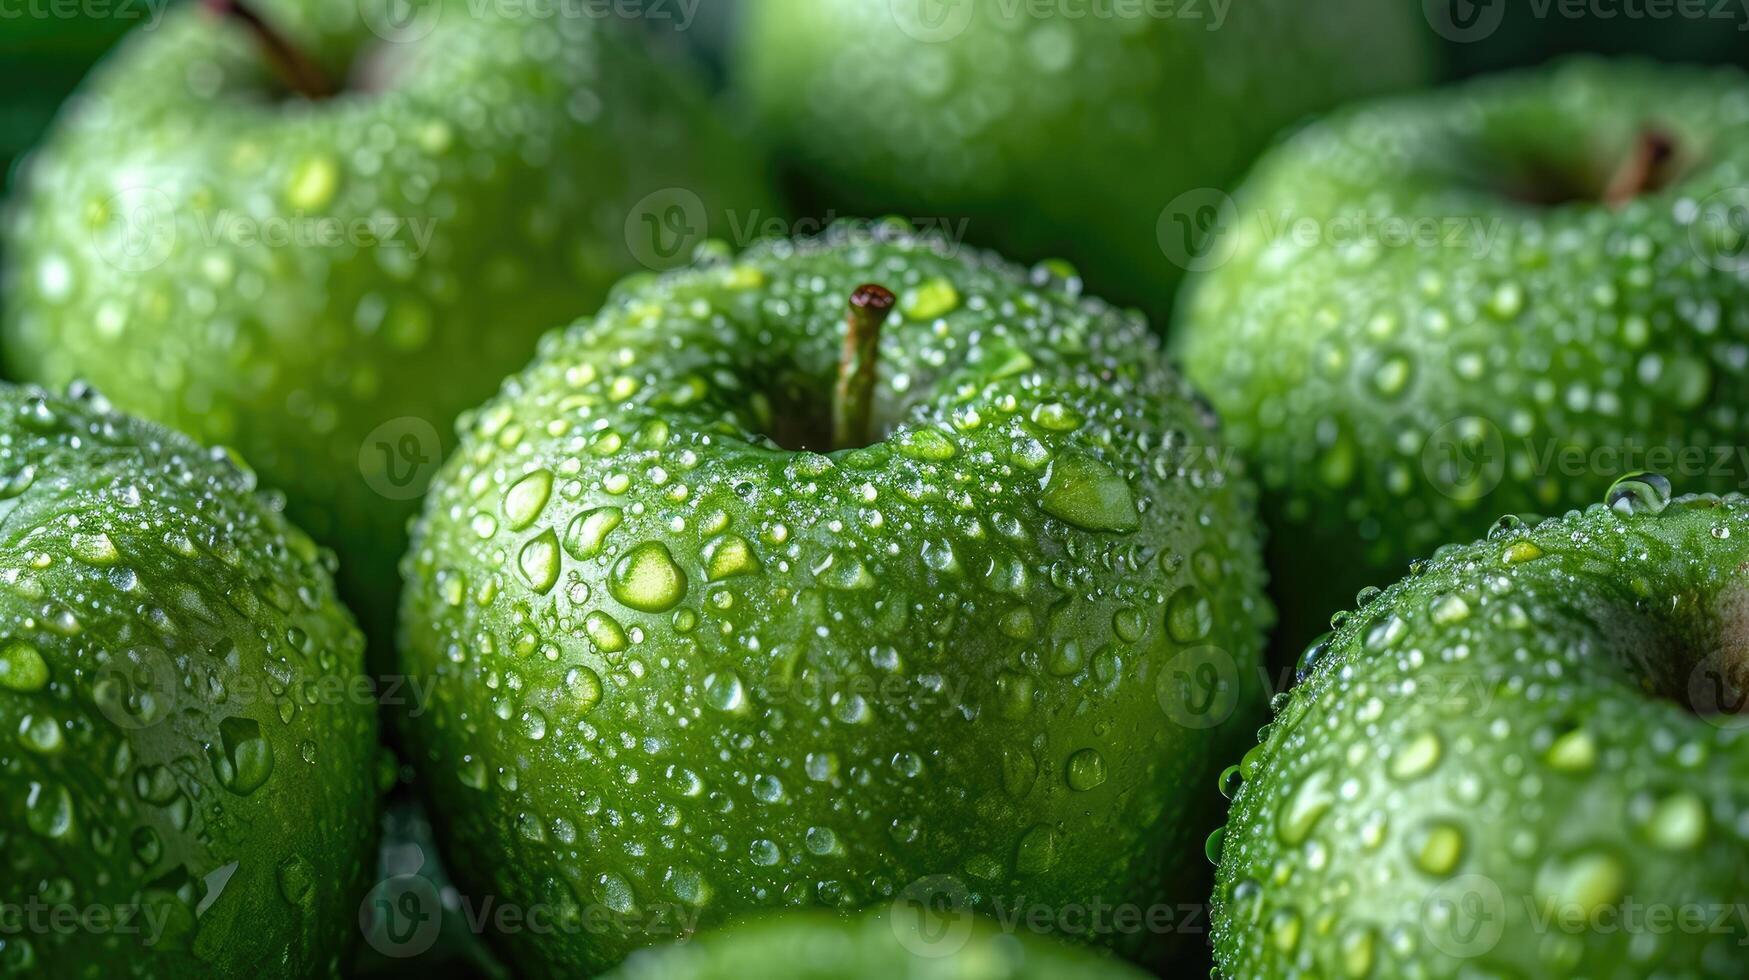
(853, 398)
(1645, 169)
(293, 67)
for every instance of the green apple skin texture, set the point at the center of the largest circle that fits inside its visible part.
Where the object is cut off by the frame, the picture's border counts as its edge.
(1579, 327)
(1058, 137)
(1513, 711)
(876, 946)
(218, 794)
(677, 666)
(521, 145)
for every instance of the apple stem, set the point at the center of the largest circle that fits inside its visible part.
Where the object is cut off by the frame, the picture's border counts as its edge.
(853, 399)
(293, 67)
(1644, 170)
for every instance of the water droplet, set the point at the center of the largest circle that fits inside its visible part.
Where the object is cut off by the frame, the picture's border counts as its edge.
(1586, 881)
(1417, 758)
(1639, 493)
(527, 498)
(1438, 848)
(728, 556)
(605, 632)
(1086, 770)
(648, 579)
(22, 668)
(1037, 852)
(588, 533)
(539, 562)
(1678, 822)
(930, 299)
(48, 810)
(243, 759)
(1189, 615)
(1310, 801)
(1089, 494)
(724, 691)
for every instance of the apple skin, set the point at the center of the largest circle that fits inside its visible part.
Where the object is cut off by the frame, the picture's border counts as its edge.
(1056, 136)
(522, 146)
(1530, 723)
(676, 669)
(1395, 396)
(192, 742)
(879, 946)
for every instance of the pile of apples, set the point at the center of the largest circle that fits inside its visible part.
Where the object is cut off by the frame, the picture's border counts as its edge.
(954, 488)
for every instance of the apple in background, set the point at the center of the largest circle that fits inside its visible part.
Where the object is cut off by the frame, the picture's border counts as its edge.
(1526, 760)
(190, 781)
(1434, 309)
(1097, 139)
(882, 945)
(738, 599)
(318, 230)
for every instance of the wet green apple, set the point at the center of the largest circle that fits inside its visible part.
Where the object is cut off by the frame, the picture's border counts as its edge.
(189, 774)
(1527, 759)
(878, 946)
(322, 256)
(796, 577)
(1097, 132)
(1497, 298)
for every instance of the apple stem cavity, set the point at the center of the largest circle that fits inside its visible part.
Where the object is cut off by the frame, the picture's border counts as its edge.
(1645, 170)
(853, 398)
(294, 68)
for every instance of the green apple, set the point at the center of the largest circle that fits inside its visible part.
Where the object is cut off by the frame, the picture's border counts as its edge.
(902, 945)
(1494, 299)
(325, 282)
(734, 601)
(190, 782)
(1525, 760)
(1092, 131)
